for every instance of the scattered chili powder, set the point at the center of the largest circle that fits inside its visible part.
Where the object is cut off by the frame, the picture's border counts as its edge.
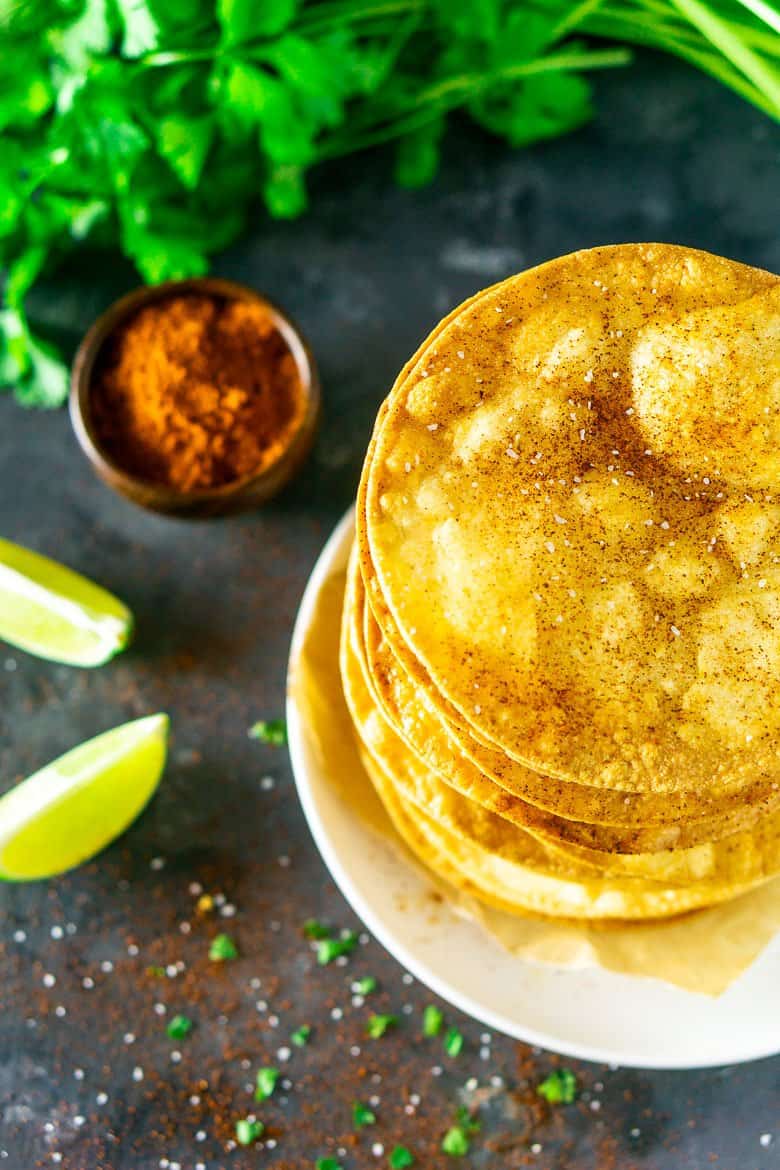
(197, 391)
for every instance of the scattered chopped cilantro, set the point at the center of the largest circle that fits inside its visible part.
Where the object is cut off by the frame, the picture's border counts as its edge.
(313, 928)
(329, 949)
(400, 1158)
(266, 1083)
(273, 731)
(378, 1025)
(300, 1037)
(362, 1115)
(222, 948)
(433, 1020)
(560, 1088)
(327, 1164)
(364, 986)
(247, 1132)
(466, 1122)
(156, 972)
(455, 1142)
(179, 1027)
(453, 1042)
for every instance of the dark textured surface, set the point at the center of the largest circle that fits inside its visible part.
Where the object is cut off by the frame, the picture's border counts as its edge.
(367, 273)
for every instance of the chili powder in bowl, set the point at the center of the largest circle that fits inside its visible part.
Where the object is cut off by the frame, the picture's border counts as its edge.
(195, 397)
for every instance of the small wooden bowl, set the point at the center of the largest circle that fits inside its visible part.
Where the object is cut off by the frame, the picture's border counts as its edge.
(237, 496)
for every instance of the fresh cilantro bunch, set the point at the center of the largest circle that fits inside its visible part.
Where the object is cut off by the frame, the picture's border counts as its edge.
(164, 126)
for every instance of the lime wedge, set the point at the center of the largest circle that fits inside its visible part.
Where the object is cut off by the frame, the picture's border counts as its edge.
(55, 613)
(78, 804)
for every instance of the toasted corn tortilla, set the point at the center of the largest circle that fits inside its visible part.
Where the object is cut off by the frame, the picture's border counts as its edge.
(422, 730)
(581, 604)
(520, 887)
(705, 816)
(741, 860)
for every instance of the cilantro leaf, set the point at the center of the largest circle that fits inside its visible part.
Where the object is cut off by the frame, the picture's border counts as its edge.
(266, 1083)
(418, 155)
(455, 1142)
(179, 1027)
(46, 383)
(560, 1088)
(300, 1037)
(378, 1024)
(90, 34)
(284, 192)
(470, 19)
(362, 1115)
(329, 949)
(365, 985)
(141, 30)
(244, 20)
(541, 107)
(401, 1158)
(248, 1131)
(222, 949)
(433, 1020)
(159, 257)
(272, 731)
(185, 143)
(453, 1042)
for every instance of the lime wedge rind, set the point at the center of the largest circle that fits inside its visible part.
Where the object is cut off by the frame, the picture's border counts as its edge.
(73, 807)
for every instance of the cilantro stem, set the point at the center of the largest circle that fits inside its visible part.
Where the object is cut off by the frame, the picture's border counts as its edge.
(679, 39)
(763, 11)
(326, 15)
(766, 79)
(452, 92)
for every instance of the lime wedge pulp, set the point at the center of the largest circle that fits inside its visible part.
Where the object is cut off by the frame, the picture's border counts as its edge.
(48, 610)
(71, 809)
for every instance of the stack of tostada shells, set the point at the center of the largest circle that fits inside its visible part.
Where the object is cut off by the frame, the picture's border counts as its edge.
(561, 634)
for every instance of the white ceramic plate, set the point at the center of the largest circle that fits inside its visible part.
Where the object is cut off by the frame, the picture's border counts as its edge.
(591, 1014)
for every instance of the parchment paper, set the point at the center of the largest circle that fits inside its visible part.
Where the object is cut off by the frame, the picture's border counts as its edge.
(701, 952)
